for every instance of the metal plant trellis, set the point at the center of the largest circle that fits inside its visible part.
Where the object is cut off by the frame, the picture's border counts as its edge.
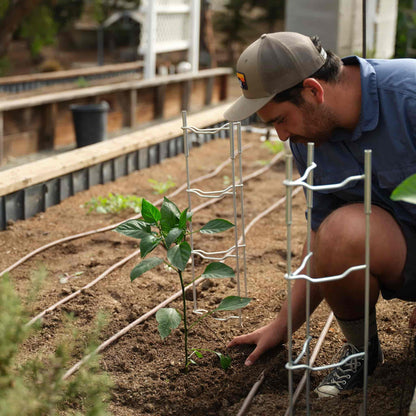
(235, 189)
(306, 181)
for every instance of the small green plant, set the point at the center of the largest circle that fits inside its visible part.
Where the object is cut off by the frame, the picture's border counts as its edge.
(36, 387)
(161, 187)
(114, 203)
(274, 146)
(81, 82)
(406, 191)
(168, 227)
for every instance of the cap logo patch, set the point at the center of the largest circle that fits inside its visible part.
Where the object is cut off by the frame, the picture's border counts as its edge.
(242, 78)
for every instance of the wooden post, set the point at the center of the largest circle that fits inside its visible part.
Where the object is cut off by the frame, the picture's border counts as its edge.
(47, 128)
(208, 90)
(223, 87)
(159, 104)
(133, 104)
(186, 94)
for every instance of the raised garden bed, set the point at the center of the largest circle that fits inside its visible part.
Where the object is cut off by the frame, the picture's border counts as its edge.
(147, 372)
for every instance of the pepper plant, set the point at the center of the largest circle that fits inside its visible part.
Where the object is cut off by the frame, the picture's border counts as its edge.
(169, 228)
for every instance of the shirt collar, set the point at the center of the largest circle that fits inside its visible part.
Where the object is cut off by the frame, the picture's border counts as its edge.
(369, 101)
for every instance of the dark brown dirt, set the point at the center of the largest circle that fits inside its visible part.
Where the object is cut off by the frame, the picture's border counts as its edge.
(146, 371)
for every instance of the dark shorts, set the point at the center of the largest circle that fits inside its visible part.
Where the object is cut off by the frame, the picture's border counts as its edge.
(408, 290)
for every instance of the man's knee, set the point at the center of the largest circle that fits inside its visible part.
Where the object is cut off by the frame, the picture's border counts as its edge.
(340, 242)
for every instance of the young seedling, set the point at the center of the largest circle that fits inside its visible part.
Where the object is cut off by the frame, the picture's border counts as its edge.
(114, 203)
(161, 187)
(168, 227)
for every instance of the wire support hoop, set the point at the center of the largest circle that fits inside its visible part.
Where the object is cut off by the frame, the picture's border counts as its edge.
(294, 276)
(206, 131)
(213, 194)
(232, 190)
(293, 367)
(302, 181)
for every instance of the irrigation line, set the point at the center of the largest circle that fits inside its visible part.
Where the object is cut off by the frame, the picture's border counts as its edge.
(112, 226)
(127, 328)
(92, 283)
(155, 309)
(312, 359)
(247, 401)
(130, 256)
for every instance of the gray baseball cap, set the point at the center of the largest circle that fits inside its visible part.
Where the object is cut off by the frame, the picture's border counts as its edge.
(272, 64)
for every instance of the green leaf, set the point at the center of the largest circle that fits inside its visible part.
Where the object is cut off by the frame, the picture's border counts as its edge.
(149, 212)
(231, 303)
(216, 226)
(406, 191)
(179, 255)
(148, 244)
(168, 318)
(183, 219)
(225, 360)
(198, 353)
(217, 271)
(144, 266)
(170, 215)
(173, 235)
(134, 228)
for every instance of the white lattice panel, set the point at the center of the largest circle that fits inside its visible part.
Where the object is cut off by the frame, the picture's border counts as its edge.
(171, 27)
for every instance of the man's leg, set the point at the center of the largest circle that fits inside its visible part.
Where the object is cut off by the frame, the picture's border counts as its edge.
(339, 245)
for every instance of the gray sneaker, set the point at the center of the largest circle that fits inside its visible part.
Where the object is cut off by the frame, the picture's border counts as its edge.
(350, 374)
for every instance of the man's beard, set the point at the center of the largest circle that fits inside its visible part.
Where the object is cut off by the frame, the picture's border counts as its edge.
(319, 123)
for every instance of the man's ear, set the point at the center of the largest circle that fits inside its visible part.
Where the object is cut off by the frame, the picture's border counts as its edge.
(313, 90)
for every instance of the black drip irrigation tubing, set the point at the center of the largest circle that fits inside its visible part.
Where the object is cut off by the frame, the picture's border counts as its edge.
(256, 386)
(167, 301)
(112, 226)
(135, 253)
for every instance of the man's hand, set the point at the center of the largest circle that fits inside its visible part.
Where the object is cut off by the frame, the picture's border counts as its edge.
(265, 338)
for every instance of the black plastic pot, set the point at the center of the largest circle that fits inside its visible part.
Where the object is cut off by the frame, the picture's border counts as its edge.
(90, 123)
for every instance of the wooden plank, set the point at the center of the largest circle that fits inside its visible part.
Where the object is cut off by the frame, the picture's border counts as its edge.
(72, 73)
(43, 170)
(73, 94)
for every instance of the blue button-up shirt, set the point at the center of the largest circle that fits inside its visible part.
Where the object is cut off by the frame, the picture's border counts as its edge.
(387, 126)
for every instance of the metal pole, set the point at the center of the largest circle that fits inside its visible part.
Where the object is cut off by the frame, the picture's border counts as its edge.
(367, 207)
(243, 230)
(289, 173)
(309, 204)
(188, 182)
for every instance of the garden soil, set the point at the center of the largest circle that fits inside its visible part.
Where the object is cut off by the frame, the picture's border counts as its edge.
(147, 372)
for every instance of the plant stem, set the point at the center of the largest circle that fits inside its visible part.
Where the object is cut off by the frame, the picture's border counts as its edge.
(185, 321)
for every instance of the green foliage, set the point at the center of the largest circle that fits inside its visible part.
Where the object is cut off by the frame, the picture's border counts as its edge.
(271, 11)
(161, 187)
(406, 20)
(406, 191)
(39, 29)
(114, 203)
(168, 228)
(35, 387)
(4, 5)
(81, 82)
(275, 146)
(102, 9)
(5, 66)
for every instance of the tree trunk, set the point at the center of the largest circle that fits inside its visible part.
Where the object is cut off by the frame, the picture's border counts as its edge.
(17, 11)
